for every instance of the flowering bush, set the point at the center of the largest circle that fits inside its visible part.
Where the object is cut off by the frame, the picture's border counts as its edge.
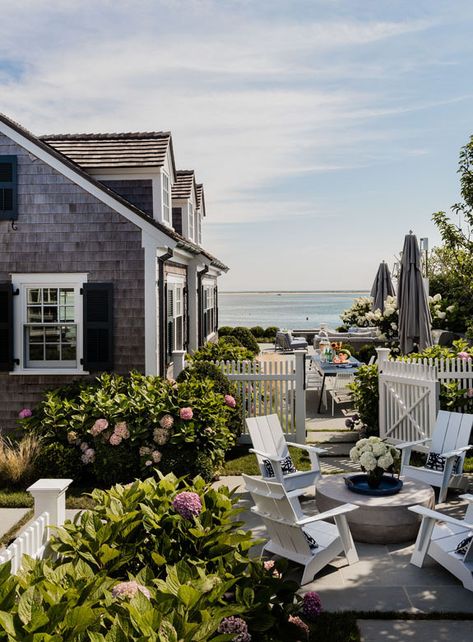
(374, 453)
(360, 314)
(118, 573)
(118, 427)
(187, 504)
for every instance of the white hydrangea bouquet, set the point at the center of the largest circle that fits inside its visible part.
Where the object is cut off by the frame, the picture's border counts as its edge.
(375, 457)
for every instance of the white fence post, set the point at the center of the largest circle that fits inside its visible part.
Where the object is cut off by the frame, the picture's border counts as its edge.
(178, 363)
(300, 400)
(50, 497)
(383, 354)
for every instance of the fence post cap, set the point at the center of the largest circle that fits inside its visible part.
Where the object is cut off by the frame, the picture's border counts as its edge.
(57, 485)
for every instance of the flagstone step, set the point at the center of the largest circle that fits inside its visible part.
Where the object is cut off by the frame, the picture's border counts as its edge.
(318, 437)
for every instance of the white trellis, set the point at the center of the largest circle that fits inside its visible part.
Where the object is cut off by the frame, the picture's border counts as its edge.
(408, 400)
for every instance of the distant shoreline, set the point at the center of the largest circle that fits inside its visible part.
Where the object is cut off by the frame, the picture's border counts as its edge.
(292, 291)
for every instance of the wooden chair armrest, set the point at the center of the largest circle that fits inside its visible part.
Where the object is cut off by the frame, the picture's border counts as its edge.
(456, 452)
(266, 455)
(339, 510)
(314, 449)
(440, 517)
(410, 444)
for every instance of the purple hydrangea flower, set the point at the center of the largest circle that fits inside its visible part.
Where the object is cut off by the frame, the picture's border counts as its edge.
(187, 504)
(236, 625)
(25, 413)
(312, 605)
(230, 401)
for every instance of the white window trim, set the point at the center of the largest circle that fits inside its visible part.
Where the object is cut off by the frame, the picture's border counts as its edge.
(22, 281)
(167, 221)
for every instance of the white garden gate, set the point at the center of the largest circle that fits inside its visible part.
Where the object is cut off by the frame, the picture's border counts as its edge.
(408, 400)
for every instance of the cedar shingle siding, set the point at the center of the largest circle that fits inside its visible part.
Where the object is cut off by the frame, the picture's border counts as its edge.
(138, 192)
(62, 228)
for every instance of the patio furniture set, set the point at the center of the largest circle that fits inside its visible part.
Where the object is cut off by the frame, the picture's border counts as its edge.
(314, 542)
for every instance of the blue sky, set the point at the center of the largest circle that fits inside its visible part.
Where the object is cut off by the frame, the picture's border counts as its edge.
(323, 130)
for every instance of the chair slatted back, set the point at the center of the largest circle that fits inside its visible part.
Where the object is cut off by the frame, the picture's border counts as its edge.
(279, 514)
(342, 379)
(267, 435)
(452, 430)
(468, 558)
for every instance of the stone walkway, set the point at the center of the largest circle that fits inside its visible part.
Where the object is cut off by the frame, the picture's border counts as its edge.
(418, 630)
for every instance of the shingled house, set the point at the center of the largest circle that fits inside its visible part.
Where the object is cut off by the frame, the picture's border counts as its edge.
(101, 263)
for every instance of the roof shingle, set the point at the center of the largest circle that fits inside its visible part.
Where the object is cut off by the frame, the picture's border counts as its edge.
(185, 182)
(130, 149)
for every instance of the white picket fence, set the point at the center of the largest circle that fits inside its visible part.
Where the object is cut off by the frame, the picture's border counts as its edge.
(49, 510)
(448, 370)
(267, 387)
(32, 542)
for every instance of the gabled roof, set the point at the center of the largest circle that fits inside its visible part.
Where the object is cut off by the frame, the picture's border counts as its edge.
(200, 198)
(82, 174)
(184, 185)
(110, 151)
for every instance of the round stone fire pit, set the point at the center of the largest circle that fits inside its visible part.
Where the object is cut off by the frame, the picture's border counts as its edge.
(378, 520)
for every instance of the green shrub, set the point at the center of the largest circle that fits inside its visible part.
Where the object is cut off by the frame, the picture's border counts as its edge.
(135, 533)
(246, 339)
(366, 398)
(257, 331)
(118, 427)
(59, 460)
(225, 330)
(221, 351)
(231, 341)
(270, 332)
(223, 385)
(365, 352)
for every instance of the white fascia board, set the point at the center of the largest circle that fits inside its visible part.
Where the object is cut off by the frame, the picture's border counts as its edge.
(81, 181)
(182, 256)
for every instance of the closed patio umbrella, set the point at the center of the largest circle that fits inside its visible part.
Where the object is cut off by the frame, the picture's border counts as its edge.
(415, 322)
(382, 287)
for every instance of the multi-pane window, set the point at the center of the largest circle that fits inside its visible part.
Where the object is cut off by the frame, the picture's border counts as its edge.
(8, 197)
(175, 317)
(191, 222)
(166, 198)
(50, 331)
(209, 310)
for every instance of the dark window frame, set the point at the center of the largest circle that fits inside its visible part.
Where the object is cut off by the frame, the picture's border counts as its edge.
(10, 214)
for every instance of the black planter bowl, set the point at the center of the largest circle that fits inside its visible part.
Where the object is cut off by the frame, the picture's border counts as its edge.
(359, 484)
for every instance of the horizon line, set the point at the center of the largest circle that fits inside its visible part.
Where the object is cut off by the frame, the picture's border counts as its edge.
(290, 291)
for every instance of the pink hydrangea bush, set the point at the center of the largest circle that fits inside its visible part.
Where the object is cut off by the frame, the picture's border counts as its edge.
(270, 566)
(160, 436)
(121, 429)
(25, 413)
(186, 414)
(88, 456)
(304, 630)
(187, 504)
(230, 401)
(115, 439)
(127, 590)
(99, 426)
(166, 422)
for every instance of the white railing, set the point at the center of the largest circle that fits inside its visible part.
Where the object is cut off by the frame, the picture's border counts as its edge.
(31, 542)
(267, 387)
(49, 510)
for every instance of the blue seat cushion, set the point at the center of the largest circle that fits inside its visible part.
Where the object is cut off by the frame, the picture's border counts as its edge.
(287, 467)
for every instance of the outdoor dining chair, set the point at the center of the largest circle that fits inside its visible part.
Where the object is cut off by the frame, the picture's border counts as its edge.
(340, 392)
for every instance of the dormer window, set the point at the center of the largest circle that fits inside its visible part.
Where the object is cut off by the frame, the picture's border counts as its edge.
(8, 196)
(191, 222)
(166, 198)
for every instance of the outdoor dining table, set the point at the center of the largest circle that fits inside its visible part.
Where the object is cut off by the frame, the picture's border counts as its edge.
(329, 369)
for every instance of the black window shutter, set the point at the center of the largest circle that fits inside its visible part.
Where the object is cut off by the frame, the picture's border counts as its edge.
(6, 327)
(98, 326)
(8, 188)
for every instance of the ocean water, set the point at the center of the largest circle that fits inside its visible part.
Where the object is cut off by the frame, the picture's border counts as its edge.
(304, 310)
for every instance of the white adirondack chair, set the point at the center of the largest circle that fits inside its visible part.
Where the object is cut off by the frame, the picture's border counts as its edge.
(440, 540)
(450, 439)
(270, 445)
(310, 541)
